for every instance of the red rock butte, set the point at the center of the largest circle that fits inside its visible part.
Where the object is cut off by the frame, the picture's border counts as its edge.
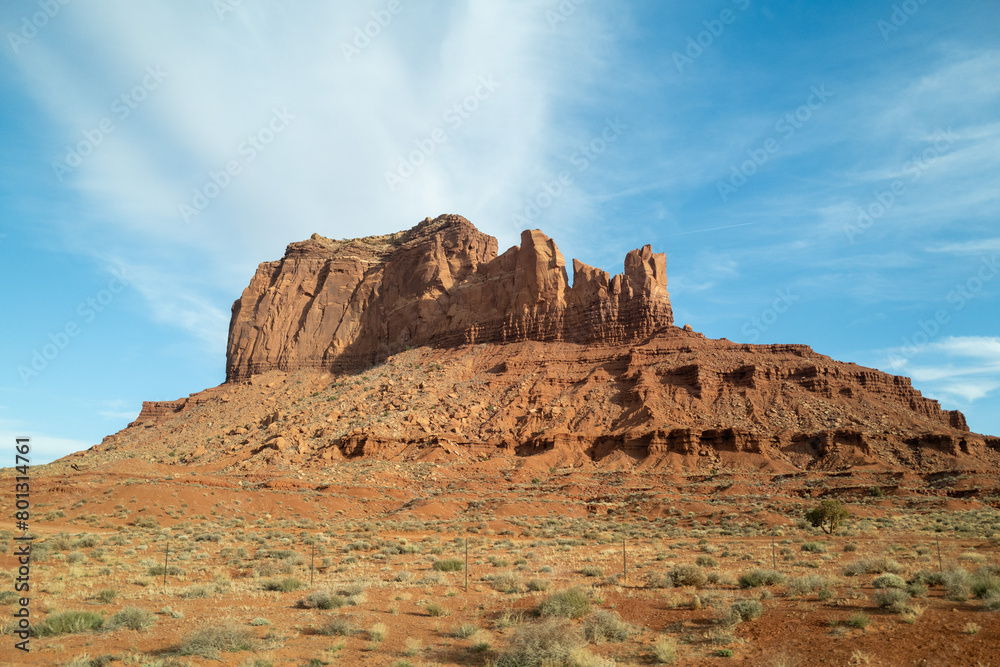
(427, 343)
(346, 305)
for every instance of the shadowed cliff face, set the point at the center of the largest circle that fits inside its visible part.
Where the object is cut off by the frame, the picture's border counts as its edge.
(345, 305)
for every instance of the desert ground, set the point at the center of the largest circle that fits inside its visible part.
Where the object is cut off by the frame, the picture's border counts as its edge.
(363, 563)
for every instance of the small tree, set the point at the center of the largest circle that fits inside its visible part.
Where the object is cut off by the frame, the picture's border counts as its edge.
(828, 515)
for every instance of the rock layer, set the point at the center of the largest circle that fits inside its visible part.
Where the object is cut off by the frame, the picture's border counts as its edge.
(346, 305)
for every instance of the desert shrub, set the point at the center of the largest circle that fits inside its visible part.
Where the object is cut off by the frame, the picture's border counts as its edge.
(688, 575)
(814, 547)
(336, 624)
(808, 583)
(171, 570)
(606, 626)
(876, 565)
(378, 632)
(449, 565)
(757, 578)
(572, 603)
(197, 592)
(828, 515)
(507, 582)
(993, 602)
(551, 641)
(322, 600)
(435, 609)
(591, 571)
(926, 578)
(665, 651)
(916, 590)
(285, 585)
(985, 583)
(210, 640)
(132, 618)
(706, 561)
(744, 610)
(858, 620)
(538, 585)
(957, 585)
(67, 622)
(106, 596)
(891, 598)
(465, 630)
(889, 581)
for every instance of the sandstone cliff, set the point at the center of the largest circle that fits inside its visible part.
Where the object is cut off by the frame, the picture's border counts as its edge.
(426, 344)
(345, 305)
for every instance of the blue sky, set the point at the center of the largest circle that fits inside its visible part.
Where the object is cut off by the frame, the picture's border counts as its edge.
(818, 173)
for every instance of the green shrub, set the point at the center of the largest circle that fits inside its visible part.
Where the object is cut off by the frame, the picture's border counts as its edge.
(465, 630)
(67, 622)
(435, 609)
(606, 626)
(984, 584)
(286, 585)
(757, 578)
(957, 585)
(706, 561)
(744, 610)
(338, 625)
(107, 595)
(807, 583)
(449, 565)
(814, 547)
(891, 598)
(572, 603)
(592, 571)
(322, 600)
(688, 575)
(378, 632)
(858, 620)
(889, 581)
(828, 515)
(132, 618)
(208, 641)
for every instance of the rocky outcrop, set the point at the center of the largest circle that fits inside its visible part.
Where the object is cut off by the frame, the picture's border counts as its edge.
(346, 305)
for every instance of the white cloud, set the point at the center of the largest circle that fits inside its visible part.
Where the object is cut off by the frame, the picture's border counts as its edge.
(325, 172)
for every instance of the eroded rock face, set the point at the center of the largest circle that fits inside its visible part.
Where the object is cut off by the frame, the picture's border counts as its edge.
(345, 305)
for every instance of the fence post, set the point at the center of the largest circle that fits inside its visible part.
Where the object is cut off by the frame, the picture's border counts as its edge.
(312, 563)
(166, 553)
(624, 563)
(467, 565)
